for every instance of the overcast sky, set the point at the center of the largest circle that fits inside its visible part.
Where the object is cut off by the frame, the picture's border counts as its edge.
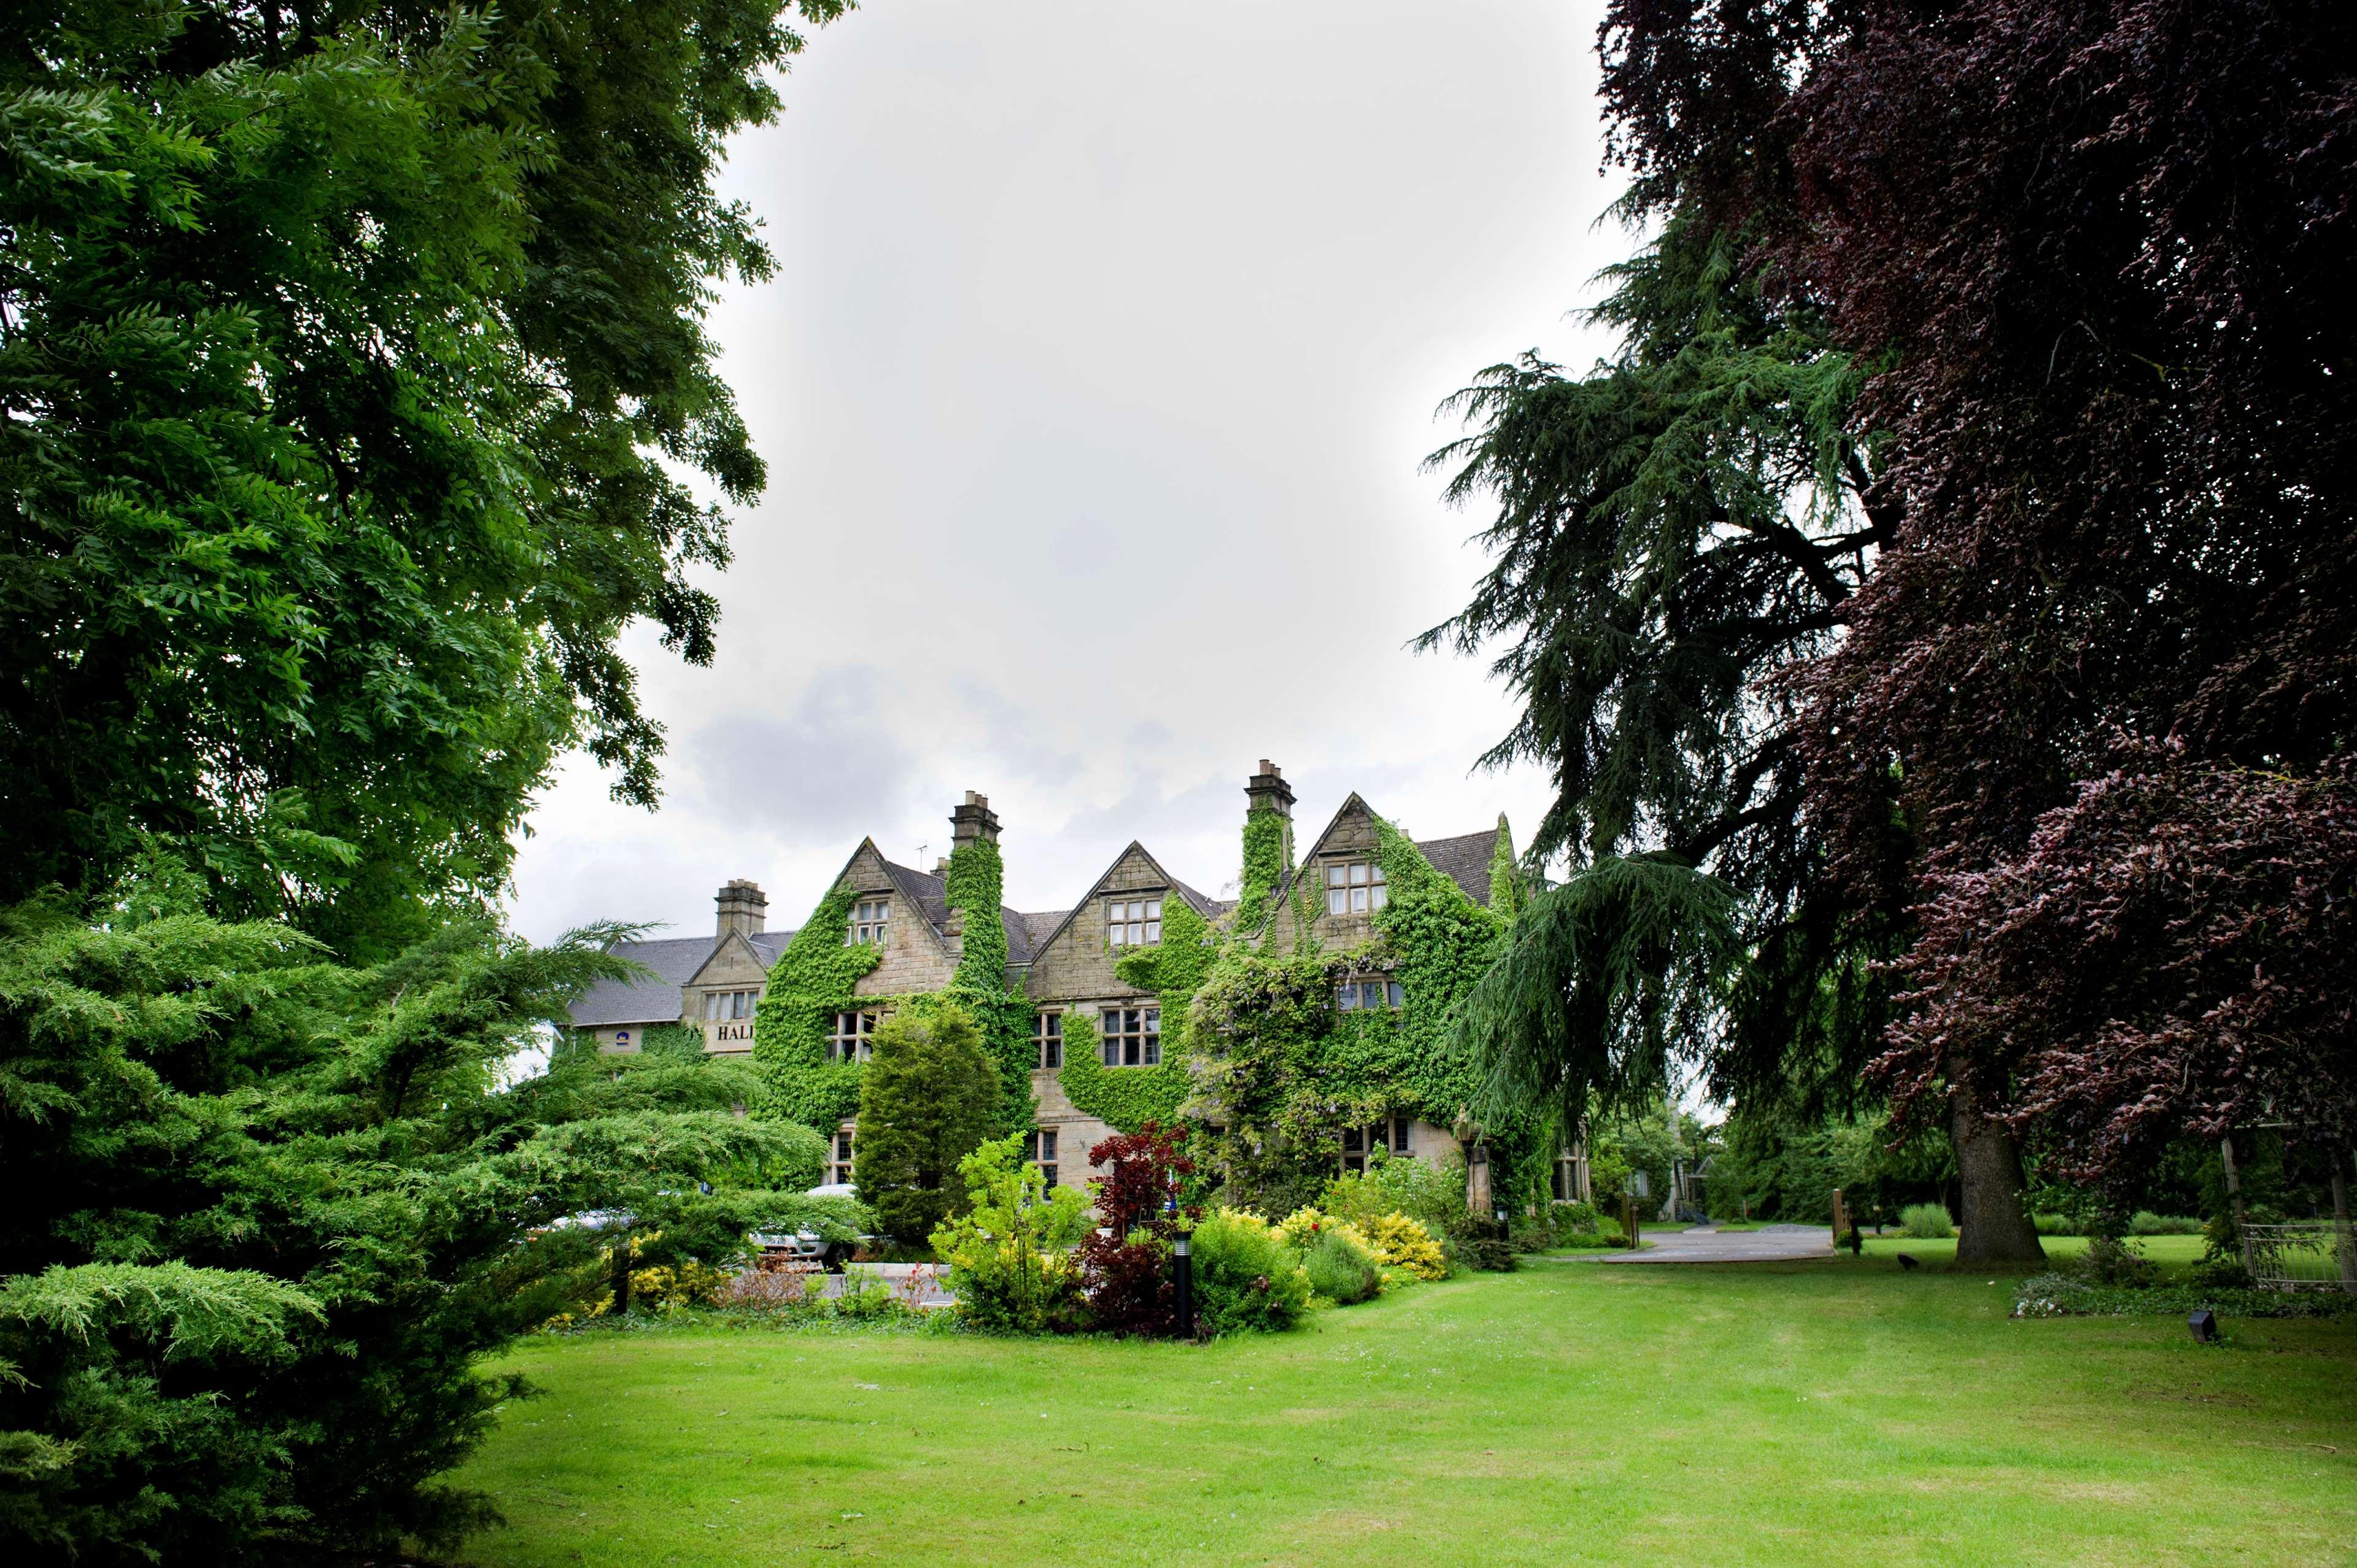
(1095, 386)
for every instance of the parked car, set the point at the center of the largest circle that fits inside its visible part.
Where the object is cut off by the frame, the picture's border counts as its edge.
(806, 1246)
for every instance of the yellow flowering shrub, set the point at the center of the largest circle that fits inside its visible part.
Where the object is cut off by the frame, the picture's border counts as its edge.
(1400, 1242)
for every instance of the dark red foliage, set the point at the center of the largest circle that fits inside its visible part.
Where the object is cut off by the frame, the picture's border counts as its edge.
(1126, 1266)
(2100, 251)
(2175, 950)
(2105, 249)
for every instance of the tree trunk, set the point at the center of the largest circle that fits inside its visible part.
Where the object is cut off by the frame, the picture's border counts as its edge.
(2345, 1245)
(622, 1274)
(2235, 1196)
(1990, 1226)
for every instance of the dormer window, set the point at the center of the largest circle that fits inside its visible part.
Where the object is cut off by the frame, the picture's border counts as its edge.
(1355, 887)
(1133, 922)
(868, 922)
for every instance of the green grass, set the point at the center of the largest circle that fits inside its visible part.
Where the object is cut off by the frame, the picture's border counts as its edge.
(1826, 1414)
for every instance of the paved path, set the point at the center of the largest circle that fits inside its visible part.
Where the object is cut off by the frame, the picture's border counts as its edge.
(1770, 1243)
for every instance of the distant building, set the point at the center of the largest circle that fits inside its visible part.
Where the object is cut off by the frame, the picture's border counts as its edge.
(702, 982)
(1061, 959)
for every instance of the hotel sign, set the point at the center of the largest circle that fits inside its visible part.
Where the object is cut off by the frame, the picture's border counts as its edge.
(732, 1031)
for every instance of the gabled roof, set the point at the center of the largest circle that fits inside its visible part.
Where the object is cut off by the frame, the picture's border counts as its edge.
(655, 999)
(1464, 860)
(931, 894)
(1207, 908)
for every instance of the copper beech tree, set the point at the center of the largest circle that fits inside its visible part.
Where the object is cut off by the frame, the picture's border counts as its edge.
(2085, 261)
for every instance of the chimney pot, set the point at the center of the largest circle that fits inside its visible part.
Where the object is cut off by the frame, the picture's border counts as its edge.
(742, 907)
(972, 821)
(1267, 790)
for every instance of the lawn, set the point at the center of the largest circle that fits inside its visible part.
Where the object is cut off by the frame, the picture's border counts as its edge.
(1838, 1412)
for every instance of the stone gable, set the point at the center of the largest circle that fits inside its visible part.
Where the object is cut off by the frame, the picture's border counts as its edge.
(1077, 965)
(914, 959)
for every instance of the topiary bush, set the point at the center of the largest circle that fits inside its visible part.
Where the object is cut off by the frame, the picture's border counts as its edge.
(1926, 1221)
(1341, 1270)
(1246, 1279)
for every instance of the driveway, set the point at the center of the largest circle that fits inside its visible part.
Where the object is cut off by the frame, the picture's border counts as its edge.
(1708, 1244)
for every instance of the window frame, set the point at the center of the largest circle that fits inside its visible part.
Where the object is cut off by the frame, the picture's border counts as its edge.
(871, 921)
(1363, 893)
(857, 1044)
(843, 1162)
(1041, 1149)
(1047, 1039)
(1134, 920)
(1351, 994)
(1391, 1134)
(1130, 1035)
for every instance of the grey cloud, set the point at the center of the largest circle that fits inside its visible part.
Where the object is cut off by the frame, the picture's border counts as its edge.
(825, 771)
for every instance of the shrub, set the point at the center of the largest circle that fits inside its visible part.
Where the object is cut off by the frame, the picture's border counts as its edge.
(1126, 1266)
(1340, 1269)
(1009, 1264)
(2055, 1224)
(926, 1101)
(2108, 1260)
(1432, 1196)
(1490, 1255)
(1245, 1278)
(1402, 1243)
(1926, 1221)
(2145, 1223)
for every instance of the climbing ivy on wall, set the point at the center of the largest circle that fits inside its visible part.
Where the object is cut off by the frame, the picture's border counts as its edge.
(812, 981)
(1123, 1097)
(1508, 892)
(817, 977)
(1268, 855)
(974, 885)
(1285, 1068)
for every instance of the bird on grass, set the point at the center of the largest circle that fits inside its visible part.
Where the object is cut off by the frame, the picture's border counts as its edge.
(1907, 1263)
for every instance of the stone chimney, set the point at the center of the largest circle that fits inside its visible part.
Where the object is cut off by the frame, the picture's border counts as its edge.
(1267, 790)
(972, 820)
(743, 908)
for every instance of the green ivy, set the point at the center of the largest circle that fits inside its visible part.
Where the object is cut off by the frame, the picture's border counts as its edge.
(814, 978)
(974, 885)
(672, 1040)
(1268, 855)
(1285, 1067)
(1123, 1097)
(1508, 893)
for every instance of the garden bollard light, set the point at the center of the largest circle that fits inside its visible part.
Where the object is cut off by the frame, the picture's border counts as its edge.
(2205, 1324)
(1183, 1266)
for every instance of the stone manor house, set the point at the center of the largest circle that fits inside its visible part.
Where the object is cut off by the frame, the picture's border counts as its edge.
(1062, 959)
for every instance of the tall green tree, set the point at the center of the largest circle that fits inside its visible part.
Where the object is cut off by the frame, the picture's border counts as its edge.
(927, 1099)
(353, 377)
(269, 1214)
(1675, 533)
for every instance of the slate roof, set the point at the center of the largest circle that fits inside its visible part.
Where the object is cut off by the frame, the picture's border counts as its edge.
(655, 999)
(1038, 927)
(931, 894)
(1205, 906)
(1464, 860)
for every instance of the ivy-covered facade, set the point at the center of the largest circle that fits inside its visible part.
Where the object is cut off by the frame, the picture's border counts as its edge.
(1124, 1007)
